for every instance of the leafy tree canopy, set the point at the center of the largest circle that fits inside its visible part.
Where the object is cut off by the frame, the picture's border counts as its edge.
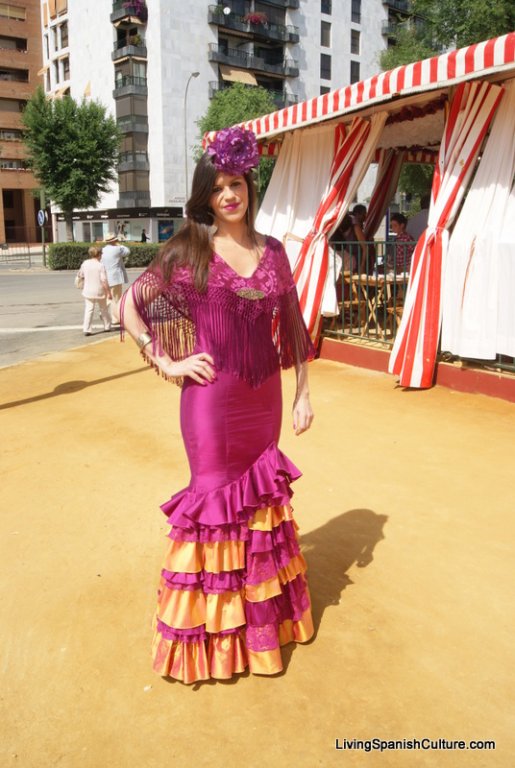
(236, 105)
(435, 25)
(456, 23)
(415, 181)
(409, 46)
(73, 149)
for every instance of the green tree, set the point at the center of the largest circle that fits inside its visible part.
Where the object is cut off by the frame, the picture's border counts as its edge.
(410, 45)
(73, 150)
(236, 105)
(415, 181)
(457, 23)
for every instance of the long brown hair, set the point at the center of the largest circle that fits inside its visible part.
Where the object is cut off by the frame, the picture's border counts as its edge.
(192, 245)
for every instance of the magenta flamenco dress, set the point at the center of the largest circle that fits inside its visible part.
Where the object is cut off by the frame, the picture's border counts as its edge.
(232, 587)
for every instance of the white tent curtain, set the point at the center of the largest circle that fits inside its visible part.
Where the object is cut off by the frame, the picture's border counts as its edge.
(298, 183)
(414, 352)
(478, 306)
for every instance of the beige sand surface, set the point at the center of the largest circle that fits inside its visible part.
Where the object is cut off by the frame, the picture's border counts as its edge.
(407, 513)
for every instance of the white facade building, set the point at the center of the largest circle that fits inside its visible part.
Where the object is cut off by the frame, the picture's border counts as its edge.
(137, 58)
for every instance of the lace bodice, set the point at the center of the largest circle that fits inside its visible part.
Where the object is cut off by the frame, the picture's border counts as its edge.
(250, 325)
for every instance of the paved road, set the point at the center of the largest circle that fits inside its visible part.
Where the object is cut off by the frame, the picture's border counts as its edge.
(41, 311)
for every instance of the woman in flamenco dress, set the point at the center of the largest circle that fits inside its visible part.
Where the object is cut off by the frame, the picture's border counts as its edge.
(217, 311)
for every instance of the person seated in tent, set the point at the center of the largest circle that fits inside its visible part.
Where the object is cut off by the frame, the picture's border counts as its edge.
(368, 256)
(398, 259)
(352, 237)
(345, 235)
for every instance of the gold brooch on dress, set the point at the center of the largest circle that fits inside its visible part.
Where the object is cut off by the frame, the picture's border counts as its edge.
(250, 293)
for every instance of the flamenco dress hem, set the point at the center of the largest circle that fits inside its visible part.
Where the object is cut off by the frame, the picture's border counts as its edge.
(232, 588)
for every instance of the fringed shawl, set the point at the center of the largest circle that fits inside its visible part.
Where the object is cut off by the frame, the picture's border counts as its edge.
(250, 326)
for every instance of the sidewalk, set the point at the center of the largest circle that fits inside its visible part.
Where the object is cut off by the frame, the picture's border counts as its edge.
(406, 515)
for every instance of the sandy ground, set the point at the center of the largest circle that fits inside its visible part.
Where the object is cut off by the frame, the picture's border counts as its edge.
(406, 510)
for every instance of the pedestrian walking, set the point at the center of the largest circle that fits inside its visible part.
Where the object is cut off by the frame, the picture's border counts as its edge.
(113, 255)
(144, 236)
(96, 290)
(217, 311)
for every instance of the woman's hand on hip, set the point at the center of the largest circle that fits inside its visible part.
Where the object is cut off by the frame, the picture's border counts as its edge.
(302, 414)
(199, 367)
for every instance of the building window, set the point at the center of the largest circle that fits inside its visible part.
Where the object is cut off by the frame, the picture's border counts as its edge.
(325, 66)
(325, 34)
(324, 89)
(64, 34)
(139, 69)
(56, 71)
(14, 75)
(9, 11)
(66, 68)
(356, 11)
(326, 6)
(10, 134)
(13, 165)
(12, 105)
(47, 49)
(13, 44)
(354, 71)
(355, 41)
(55, 38)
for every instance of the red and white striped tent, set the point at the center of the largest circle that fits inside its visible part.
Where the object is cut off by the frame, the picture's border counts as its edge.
(443, 110)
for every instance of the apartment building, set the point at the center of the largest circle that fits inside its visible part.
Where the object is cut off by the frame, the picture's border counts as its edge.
(20, 73)
(155, 65)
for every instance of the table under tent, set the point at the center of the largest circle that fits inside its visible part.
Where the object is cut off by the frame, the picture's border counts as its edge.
(456, 110)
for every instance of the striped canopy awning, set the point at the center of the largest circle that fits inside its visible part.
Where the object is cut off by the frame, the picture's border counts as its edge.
(481, 60)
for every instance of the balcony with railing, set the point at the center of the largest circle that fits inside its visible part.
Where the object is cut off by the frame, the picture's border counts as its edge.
(129, 85)
(233, 56)
(389, 28)
(282, 3)
(399, 5)
(134, 46)
(132, 124)
(133, 11)
(133, 161)
(135, 199)
(254, 24)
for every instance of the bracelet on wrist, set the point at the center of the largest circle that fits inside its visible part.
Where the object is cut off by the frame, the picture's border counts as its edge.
(143, 339)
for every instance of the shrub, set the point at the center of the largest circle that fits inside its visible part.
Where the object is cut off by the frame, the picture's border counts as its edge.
(71, 255)
(67, 255)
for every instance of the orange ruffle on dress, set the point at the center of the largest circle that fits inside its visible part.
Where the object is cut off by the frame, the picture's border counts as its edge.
(210, 636)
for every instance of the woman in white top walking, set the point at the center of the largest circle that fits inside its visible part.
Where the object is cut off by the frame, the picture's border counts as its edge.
(96, 290)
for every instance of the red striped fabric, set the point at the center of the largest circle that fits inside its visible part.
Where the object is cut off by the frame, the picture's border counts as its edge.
(414, 352)
(311, 269)
(390, 165)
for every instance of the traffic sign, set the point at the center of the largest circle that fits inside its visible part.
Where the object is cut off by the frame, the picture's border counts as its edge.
(42, 218)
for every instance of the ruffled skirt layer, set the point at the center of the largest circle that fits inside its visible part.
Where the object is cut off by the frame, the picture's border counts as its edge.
(232, 590)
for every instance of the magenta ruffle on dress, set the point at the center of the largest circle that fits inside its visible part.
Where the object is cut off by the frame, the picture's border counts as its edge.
(232, 587)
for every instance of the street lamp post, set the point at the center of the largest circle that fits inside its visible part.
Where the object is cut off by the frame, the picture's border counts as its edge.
(193, 74)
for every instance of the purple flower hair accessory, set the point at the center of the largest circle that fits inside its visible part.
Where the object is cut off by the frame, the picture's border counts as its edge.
(234, 151)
